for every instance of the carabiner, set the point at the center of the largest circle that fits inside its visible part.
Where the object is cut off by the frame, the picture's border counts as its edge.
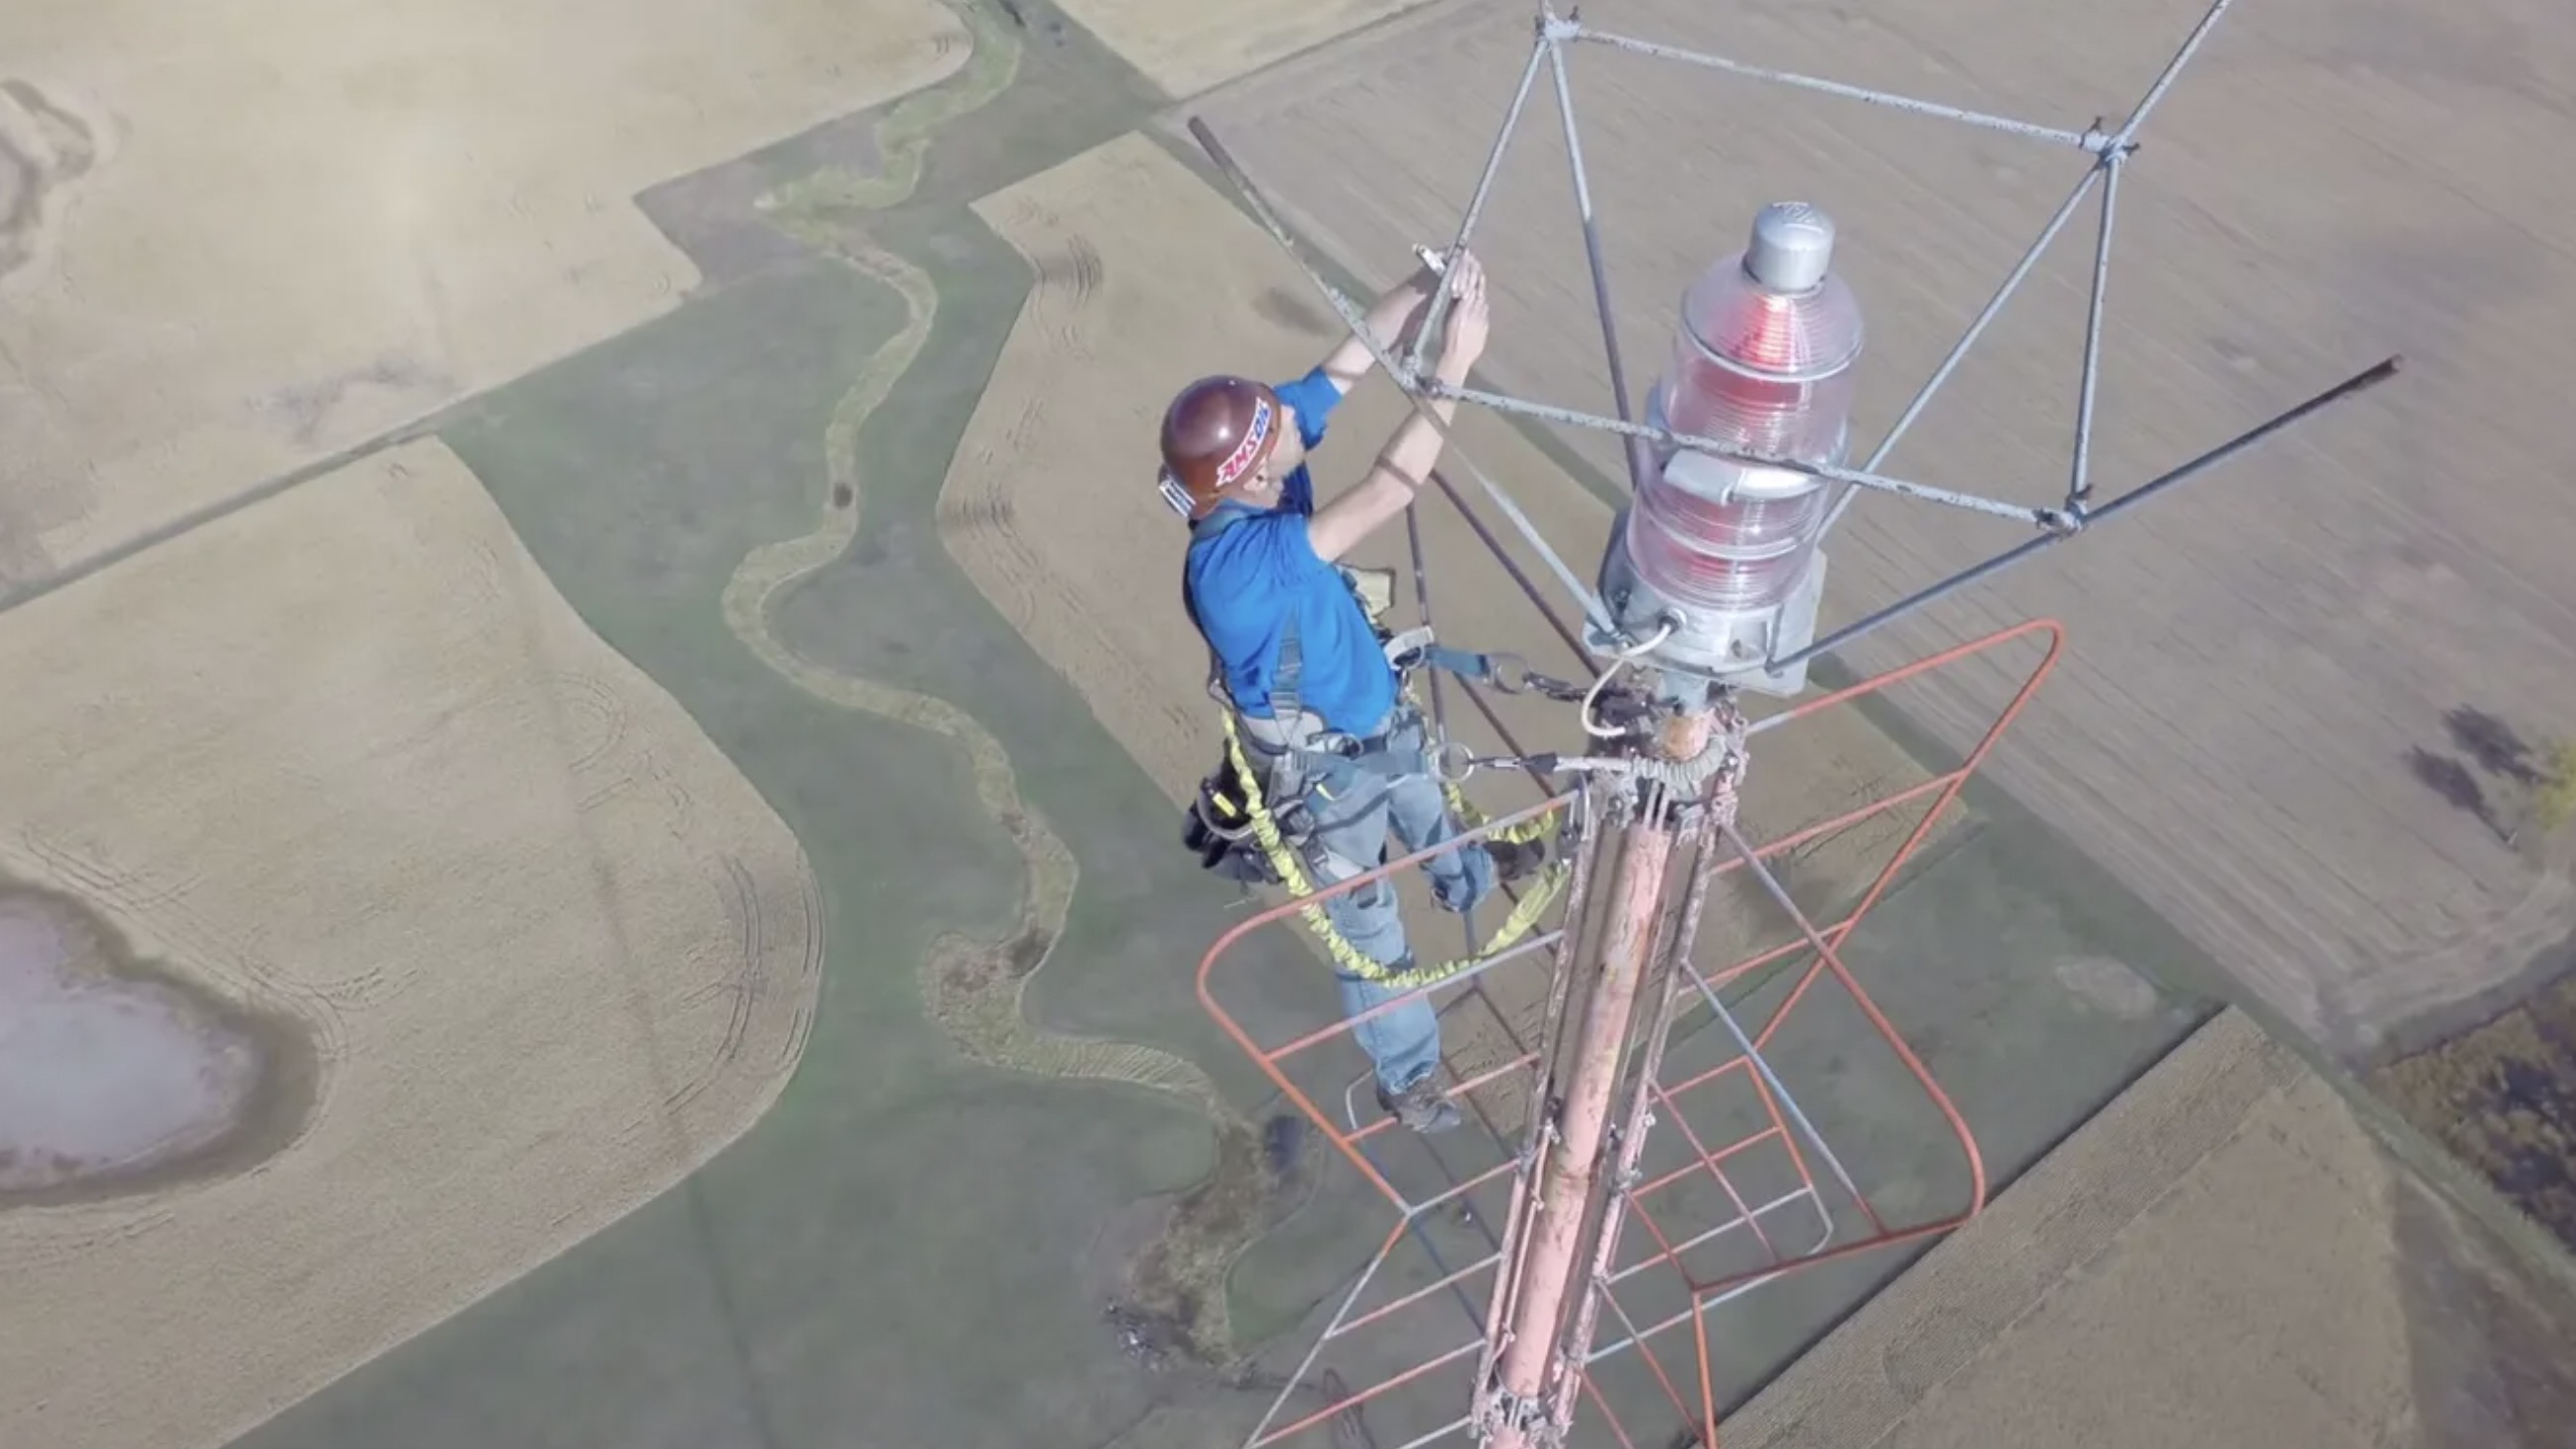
(1444, 752)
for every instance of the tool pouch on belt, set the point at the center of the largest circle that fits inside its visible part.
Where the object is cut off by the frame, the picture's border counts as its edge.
(1217, 828)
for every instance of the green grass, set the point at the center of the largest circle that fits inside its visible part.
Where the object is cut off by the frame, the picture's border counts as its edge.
(901, 1242)
(904, 1251)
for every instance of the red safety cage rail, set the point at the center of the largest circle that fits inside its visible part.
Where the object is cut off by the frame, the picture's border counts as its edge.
(1732, 1184)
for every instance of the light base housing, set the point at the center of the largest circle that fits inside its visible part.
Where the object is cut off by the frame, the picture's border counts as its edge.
(1724, 647)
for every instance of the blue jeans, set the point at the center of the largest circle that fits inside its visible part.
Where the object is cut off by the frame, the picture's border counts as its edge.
(1357, 804)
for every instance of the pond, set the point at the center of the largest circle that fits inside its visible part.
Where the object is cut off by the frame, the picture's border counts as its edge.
(105, 1075)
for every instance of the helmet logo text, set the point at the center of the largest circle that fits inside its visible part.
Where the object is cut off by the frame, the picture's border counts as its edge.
(1240, 461)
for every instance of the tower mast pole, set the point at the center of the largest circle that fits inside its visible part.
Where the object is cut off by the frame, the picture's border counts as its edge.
(1535, 1360)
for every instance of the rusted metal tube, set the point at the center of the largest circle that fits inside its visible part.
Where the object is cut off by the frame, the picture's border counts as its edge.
(1674, 954)
(1551, 1238)
(1549, 1259)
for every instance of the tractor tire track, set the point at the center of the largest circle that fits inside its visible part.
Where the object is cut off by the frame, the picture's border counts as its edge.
(1012, 546)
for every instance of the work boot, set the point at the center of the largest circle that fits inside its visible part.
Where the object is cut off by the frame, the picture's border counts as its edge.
(1516, 861)
(1420, 1107)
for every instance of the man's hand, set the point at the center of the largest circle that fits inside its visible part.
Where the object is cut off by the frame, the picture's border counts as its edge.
(1408, 457)
(1426, 283)
(1391, 320)
(1470, 321)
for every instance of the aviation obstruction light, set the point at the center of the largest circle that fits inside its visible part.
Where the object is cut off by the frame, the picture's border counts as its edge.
(1717, 557)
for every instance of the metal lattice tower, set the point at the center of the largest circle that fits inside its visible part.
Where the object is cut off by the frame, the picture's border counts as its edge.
(1663, 1165)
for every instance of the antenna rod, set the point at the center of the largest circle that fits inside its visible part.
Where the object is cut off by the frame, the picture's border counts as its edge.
(2352, 386)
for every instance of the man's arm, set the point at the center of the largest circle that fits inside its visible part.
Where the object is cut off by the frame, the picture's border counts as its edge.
(1388, 319)
(1405, 463)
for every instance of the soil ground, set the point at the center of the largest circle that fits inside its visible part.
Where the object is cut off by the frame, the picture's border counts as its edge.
(761, 1303)
(345, 762)
(2261, 661)
(1018, 1180)
(2228, 1255)
(1185, 47)
(417, 207)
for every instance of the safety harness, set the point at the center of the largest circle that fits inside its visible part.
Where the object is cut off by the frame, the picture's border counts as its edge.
(1237, 830)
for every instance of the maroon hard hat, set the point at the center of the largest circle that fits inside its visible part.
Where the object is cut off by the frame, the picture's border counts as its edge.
(1216, 434)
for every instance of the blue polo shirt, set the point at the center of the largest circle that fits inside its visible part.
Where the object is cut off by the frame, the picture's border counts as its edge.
(1246, 582)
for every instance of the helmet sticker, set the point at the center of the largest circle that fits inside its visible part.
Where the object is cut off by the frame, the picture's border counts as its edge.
(1239, 462)
(1175, 496)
